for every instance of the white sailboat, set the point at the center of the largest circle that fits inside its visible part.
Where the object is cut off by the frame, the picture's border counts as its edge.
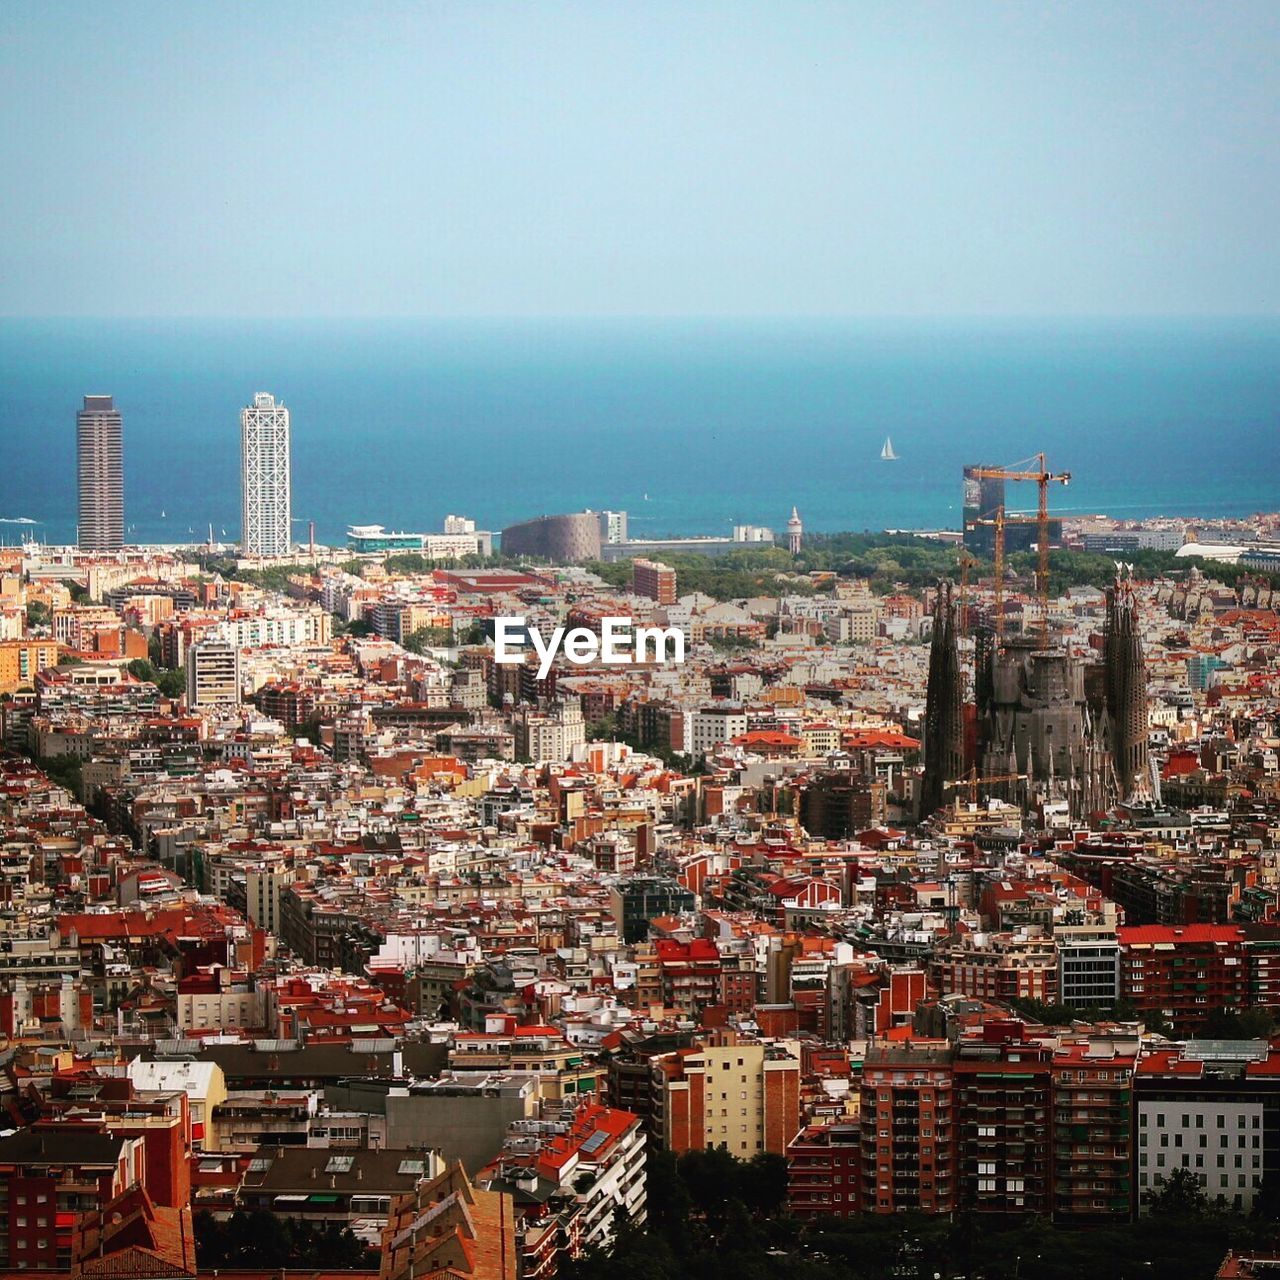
(886, 451)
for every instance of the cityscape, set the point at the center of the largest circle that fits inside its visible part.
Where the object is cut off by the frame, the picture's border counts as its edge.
(565, 887)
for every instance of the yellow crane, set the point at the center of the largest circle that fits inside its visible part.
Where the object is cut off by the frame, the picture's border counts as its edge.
(972, 781)
(1035, 468)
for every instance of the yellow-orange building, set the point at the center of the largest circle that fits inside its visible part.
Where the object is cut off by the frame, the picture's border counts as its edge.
(20, 660)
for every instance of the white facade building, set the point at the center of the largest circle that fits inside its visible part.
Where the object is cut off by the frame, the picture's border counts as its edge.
(213, 675)
(265, 512)
(714, 726)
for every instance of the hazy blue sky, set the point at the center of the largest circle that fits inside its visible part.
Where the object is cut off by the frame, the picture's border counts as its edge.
(625, 158)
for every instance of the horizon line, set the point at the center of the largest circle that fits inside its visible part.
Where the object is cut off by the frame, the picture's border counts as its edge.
(702, 317)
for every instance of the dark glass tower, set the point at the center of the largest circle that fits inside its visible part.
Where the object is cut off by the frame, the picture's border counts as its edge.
(100, 466)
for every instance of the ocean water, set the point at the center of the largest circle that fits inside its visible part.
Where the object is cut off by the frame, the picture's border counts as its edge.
(688, 425)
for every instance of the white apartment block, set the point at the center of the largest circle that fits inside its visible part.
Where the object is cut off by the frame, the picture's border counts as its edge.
(714, 726)
(213, 675)
(285, 628)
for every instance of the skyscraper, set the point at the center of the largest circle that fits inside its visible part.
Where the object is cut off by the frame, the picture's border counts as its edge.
(265, 528)
(100, 467)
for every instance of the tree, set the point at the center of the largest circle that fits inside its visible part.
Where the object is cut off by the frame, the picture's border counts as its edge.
(262, 1240)
(1179, 1196)
(37, 613)
(605, 729)
(358, 628)
(763, 1185)
(425, 638)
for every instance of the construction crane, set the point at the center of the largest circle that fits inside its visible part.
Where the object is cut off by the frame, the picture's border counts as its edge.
(973, 782)
(1034, 468)
(999, 523)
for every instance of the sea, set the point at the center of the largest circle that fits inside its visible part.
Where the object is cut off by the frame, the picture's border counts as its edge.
(688, 425)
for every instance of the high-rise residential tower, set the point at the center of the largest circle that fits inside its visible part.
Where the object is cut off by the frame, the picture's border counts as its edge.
(100, 466)
(265, 528)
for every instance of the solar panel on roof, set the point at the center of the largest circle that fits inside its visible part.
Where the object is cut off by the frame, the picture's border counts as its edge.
(595, 1142)
(340, 1164)
(259, 1164)
(412, 1166)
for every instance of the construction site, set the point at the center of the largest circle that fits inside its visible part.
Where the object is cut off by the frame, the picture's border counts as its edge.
(1031, 722)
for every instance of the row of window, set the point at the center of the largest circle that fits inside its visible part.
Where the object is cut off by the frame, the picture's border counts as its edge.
(1204, 1140)
(1242, 1121)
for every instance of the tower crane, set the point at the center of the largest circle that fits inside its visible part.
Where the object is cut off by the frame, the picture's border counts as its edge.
(972, 781)
(1034, 468)
(1000, 522)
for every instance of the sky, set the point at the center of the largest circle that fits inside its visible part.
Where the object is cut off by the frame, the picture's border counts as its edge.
(639, 158)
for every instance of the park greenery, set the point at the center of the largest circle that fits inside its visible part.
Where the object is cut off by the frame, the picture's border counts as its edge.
(896, 561)
(172, 684)
(887, 561)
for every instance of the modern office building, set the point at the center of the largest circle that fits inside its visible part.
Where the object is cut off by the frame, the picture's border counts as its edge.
(452, 544)
(983, 496)
(1212, 1108)
(564, 539)
(636, 901)
(100, 470)
(265, 511)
